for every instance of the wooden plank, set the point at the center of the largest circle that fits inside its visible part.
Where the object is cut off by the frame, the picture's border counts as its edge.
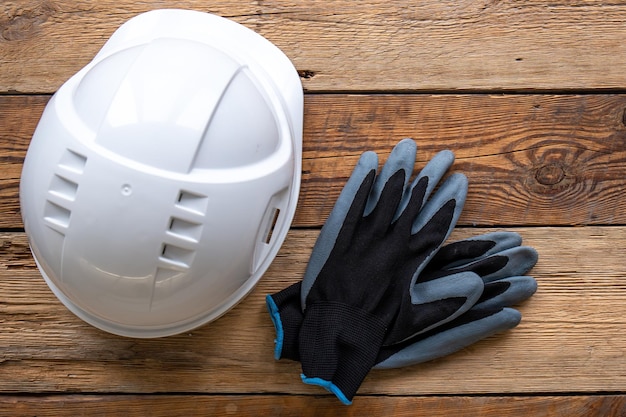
(572, 338)
(19, 116)
(380, 45)
(308, 406)
(530, 159)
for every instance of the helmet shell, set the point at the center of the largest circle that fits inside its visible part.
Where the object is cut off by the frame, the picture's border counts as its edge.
(163, 177)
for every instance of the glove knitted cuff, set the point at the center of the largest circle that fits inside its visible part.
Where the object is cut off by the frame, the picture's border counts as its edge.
(338, 346)
(286, 313)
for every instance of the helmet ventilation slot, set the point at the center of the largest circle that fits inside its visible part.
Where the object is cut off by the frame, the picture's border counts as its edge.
(56, 217)
(185, 229)
(192, 202)
(63, 190)
(176, 256)
(271, 225)
(73, 161)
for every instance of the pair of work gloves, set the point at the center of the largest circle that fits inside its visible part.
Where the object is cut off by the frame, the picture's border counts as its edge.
(381, 290)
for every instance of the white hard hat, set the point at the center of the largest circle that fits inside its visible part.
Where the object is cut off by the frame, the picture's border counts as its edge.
(163, 177)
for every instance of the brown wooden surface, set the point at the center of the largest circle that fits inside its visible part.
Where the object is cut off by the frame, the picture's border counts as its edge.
(529, 95)
(310, 406)
(531, 159)
(375, 45)
(569, 339)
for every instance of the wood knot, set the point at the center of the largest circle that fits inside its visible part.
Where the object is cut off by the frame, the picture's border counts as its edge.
(306, 74)
(24, 23)
(550, 174)
(556, 169)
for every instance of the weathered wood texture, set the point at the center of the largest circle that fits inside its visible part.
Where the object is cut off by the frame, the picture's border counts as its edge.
(548, 154)
(311, 406)
(377, 45)
(570, 339)
(530, 159)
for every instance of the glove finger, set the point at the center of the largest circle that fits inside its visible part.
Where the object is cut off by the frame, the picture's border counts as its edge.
(401, 159)
(468, 329)
(427, 179)
(434, 303)
(518, 261)
(490, 315)
(463, 251)
(455, 189)
(507, 292)
(438, 217)
(509, 262)
(465, 284)
(384, 212)
(367, 163)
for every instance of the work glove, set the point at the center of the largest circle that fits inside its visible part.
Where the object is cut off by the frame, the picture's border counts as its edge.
(498, 258)
(361, 285)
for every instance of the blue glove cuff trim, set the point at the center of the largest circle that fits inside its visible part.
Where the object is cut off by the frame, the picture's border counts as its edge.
(328, 386)
(278, 326)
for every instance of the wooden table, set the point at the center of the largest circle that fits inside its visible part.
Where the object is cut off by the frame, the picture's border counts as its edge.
(529, 95)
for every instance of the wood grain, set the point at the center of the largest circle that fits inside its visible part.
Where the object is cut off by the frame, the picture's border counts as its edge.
(377, 46)
(523, 92)
(570, 339)
(530, 159)
(19, 116)
(309, 406)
